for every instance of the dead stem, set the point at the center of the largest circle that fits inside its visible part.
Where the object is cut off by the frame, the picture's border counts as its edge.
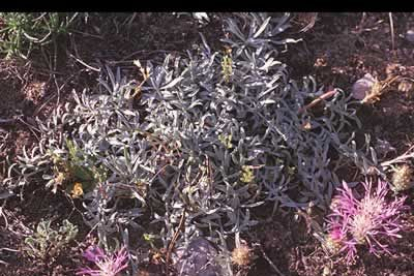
(400, 159)
(271, 263)
(173, 241)
(85, 64)
(379, 89)
(318, 100)
(392, 32)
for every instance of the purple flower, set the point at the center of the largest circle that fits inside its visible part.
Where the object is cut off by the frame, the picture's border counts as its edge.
(369, 220)
(107, 264)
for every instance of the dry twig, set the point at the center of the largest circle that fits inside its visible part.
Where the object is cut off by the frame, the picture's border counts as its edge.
(318, 100)
(392, 31)
(173, 241)
(271, 263)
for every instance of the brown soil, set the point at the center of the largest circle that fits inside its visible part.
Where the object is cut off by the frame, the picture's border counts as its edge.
(337, 50)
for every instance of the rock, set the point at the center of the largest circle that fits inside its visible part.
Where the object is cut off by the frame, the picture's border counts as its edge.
(363, 86)
(198, 259)
(383, 147)
(409, 35)
(202, 17)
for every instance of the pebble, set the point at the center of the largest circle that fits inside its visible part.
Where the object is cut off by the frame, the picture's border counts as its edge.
(409, 35)
(362, 86)
(197, 259)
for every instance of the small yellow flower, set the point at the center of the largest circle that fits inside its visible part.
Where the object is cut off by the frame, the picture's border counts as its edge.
(247, 174)
(77, 190)
(148, 237)
(226, 140)
(227, 67)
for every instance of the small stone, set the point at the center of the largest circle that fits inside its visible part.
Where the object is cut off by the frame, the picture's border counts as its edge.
(409, 35)
(376, 47)
(383, 147)
(198, 259)
(363, 86)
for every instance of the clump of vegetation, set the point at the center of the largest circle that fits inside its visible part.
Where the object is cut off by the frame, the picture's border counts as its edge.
(237, 139)
(47, 242)
(20, 32)
(215, 135)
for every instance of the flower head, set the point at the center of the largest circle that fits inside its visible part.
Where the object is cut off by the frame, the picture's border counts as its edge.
(107, 264)
(401, 179)
(242, 255)
(367, 220)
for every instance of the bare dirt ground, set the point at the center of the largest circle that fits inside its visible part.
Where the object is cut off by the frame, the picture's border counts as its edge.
(338, 49)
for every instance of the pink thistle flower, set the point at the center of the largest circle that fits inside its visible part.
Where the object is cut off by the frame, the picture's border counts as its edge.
(368, 220)
(107, 264)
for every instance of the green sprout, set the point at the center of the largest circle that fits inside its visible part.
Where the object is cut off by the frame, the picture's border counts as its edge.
(150, 238)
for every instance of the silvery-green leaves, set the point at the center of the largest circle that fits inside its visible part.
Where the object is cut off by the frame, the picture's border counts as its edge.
(201, 148)
(256, 33)
(253, 121)
(46, 241)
